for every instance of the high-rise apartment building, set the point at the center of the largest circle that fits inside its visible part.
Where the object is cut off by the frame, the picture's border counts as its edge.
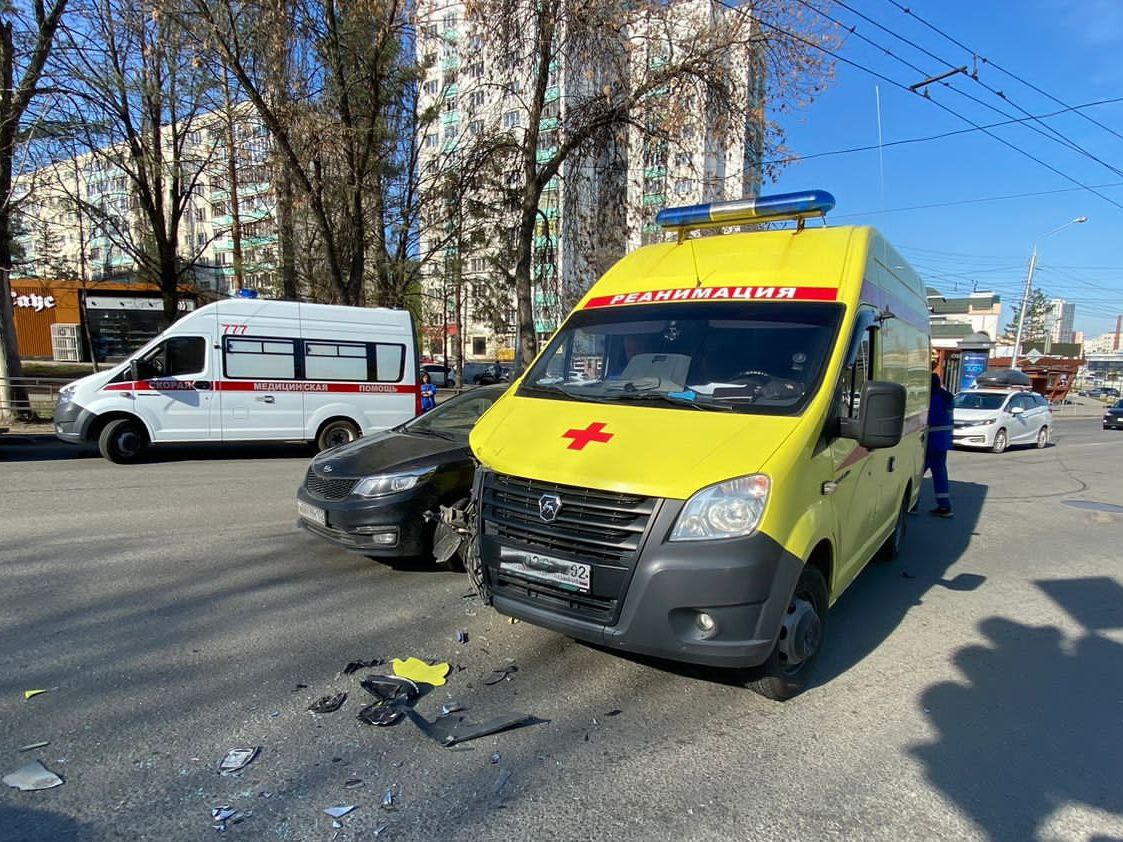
(75, 217)
(1060, 319)
(601, 204)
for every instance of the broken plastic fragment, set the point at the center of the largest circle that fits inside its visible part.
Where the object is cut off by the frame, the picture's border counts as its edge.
(496, 757)
(417, 670)
(353, 783)
(391, 689)
(33, 746)
(512, 620)
(31, 694)
(237, 759)
(453, 730)
(339, 812)
(378, 830)
(380, 713)
(614, 712)
(221, 814)
(462, 636)
(328, 704)
(32, 776)
(387, 802)
(501, 674)
(451, 707)
(355, 666)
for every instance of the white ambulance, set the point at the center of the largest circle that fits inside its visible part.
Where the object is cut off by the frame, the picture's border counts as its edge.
(251, 370)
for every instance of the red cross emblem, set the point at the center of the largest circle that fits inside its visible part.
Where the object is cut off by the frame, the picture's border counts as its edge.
(594, 432)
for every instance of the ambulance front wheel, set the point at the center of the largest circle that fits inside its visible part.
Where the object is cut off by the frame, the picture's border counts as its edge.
(337, 432)
(786, 672)
(122, 440)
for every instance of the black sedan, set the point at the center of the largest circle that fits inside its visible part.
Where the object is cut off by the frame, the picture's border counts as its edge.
(372, 495)
(1113, 416)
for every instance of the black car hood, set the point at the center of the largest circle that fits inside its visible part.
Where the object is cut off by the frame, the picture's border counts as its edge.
(388, 451)
(1111, 410)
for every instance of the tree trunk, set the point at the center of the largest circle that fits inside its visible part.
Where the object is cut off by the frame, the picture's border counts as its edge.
(526, 343)
(286, 230)
(10, 367)
(169, 281)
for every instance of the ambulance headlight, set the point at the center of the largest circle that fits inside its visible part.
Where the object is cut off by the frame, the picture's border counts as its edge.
(383, 484)
(65, 395)
(728, 509)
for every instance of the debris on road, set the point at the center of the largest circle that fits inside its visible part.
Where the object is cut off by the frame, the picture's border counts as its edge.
(238, 759)
(391, 689)
(614, 712)
(453, 730)
(355, 666)
(500, 784)
(328, 704)
(339, 812)
(495, 758)
(419, 671)
(451, 707)
(378, 830)
(31, 694)
(512, 620)
(462, 636)
(354, 783)
(32, 776)
(387, 802)
(501, 674)
(33, 746)
(381, 713)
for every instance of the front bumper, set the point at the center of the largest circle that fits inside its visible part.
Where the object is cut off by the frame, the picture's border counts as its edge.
(1114, 422)
(982, 436)
(744, 584)
(350, 521)
(72, 422)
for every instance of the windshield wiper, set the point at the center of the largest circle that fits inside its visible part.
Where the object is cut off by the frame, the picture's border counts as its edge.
(545, 387)
(437, 433)
(663, 397)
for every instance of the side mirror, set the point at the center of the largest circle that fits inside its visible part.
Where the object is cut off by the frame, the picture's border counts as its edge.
(134, 371)
(1017, 410)
(882, 419)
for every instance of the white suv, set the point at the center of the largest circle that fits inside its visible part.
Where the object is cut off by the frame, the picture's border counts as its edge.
(997, 418)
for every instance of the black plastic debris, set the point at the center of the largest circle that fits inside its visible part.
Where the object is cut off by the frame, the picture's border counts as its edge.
(387, 802)
(453, 730)
(355, 666)
(381, 713)
(462, 636)
(501, 674)
(391, 689)
(225, 815)
(33, 746)
(238, 759)
(32, 776)
(614, 712)
(495, 758)
(354, 783)
(299, 687)
(328, 704)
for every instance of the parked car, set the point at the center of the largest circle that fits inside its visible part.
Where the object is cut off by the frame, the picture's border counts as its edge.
(1113, 416)
(371, 496)
(441, 376)
(994, 419)
(1102, 392)
(486, 374)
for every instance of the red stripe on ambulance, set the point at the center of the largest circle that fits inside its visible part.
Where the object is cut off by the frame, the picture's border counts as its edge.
(659, 296)
(266, 386)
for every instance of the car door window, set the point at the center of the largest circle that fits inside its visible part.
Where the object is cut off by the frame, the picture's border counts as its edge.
(177, 356)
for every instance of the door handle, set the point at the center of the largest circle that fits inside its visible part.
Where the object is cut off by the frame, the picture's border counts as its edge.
(266, 399)
(203, 385)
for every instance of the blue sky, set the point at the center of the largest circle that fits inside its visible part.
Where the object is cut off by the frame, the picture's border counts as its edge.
(1068, 49)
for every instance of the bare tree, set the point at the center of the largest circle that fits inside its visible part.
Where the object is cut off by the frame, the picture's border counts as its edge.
(593, 77)
(27, 36)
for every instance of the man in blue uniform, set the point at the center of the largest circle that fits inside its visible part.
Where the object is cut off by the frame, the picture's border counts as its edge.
(940, 426)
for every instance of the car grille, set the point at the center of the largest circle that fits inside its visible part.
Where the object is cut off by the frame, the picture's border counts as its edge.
(328, 489)
(602, 528)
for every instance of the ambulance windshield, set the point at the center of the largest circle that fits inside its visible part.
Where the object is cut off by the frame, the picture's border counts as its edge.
(756, 357)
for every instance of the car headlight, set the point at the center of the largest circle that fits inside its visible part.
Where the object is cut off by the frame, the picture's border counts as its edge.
(65, 394)
(979, 423)
(383, 484)
(726, 510)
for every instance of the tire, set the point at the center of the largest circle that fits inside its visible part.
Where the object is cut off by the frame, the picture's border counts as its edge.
(777, 678)
(1001, 442)
(122, 440)
(1043, 438)
(335, 433)
(891, 549)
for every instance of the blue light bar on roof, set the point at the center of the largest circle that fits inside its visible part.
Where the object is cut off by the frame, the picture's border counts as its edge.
(742, 211)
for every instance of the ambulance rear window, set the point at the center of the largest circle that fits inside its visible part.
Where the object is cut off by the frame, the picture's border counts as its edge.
(756, 357)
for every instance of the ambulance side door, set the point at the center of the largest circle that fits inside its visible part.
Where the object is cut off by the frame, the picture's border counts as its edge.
(854, 489)
(174, 388)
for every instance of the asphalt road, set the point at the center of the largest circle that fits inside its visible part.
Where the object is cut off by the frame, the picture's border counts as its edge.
(971, 690)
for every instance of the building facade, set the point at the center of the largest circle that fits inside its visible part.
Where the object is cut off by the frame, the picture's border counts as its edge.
(1060, 319)
(601, 204)
(79, 218)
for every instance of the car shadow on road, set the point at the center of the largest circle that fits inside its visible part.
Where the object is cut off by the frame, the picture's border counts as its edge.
(1027, 743)
(28, 824)
(881, 597)
(46, 448)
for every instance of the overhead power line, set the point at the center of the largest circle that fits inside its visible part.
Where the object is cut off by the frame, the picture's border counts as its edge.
(893, 82)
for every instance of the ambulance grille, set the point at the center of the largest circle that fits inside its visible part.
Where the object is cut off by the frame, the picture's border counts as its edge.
(591, 525)
(328, 489)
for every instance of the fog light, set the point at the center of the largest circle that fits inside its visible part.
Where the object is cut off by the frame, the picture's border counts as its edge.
(381, 535)
(706, 624)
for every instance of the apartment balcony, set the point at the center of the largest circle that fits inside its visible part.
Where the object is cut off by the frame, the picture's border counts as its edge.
(655, 172)
(450, 63)
(449, 117)
(552, 93)
(548, 124)
(545, 155)
(653, 199)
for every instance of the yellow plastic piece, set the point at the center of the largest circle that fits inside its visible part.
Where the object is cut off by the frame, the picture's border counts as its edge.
(28, 694)
(420, 672)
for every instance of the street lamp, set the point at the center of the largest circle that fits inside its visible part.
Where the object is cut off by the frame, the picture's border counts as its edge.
(1029, 286)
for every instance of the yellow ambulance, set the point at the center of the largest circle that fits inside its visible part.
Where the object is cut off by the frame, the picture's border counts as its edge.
(719, 437)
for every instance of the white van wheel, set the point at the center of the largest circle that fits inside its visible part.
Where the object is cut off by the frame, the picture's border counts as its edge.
(336, 433)
(122, 440)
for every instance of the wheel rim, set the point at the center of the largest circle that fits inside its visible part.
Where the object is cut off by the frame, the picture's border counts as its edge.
(128, 443)
(338, 436)
(1000, 441)
(800, 634)
(1043, 437)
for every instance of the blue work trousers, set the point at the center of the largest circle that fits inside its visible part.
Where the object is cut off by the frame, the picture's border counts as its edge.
(936, 461)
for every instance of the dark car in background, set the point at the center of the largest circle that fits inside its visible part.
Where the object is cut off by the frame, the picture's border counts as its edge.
(486, 374)
(1113, 416)
(372, 495)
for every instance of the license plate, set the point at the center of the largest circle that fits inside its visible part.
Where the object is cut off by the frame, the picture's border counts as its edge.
(311, 513)
(570, 575)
